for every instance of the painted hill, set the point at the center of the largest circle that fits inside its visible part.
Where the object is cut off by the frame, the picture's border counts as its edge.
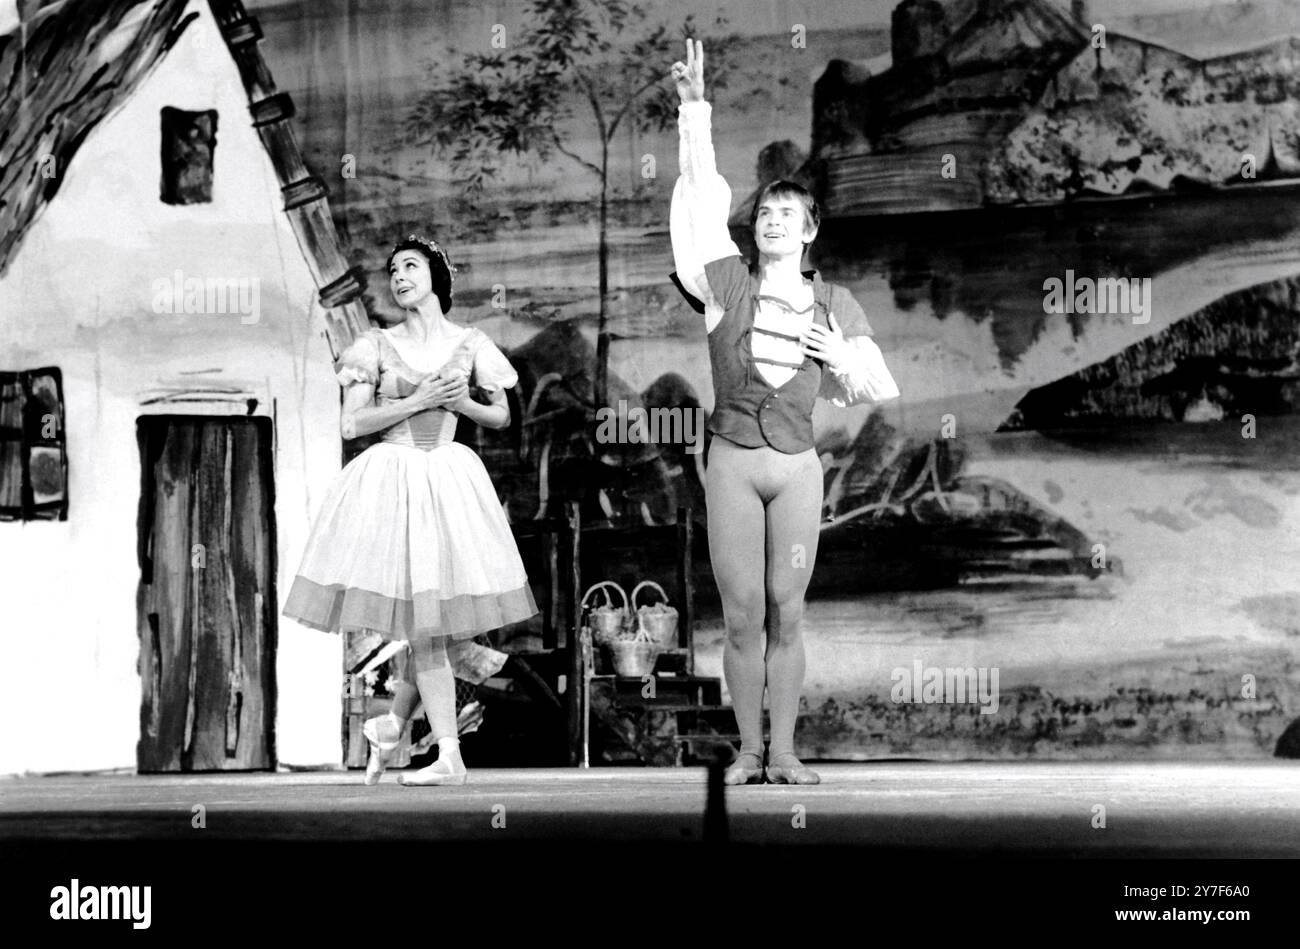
(1021, 102)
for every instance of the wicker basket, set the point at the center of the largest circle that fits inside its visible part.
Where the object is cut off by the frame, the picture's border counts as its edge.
(633, 657)
(658, 622)
(609, 623)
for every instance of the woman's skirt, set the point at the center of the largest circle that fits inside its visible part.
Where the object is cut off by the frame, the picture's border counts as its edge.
(411, 543)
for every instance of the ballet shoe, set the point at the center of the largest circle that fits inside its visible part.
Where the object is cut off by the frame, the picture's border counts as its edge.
(375, 766)
(379, 750)
(438, 773)
(737, 773)
(794, 772)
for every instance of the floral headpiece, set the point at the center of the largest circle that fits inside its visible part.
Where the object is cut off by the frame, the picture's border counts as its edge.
(434, 247)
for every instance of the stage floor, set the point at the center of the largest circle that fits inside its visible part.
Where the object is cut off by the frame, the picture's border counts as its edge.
(1177, 810)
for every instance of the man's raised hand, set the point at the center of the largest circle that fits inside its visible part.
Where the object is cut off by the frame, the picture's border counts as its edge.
(689, 75)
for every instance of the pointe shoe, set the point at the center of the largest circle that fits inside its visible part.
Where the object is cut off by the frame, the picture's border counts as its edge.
(738, 773)
(792, 772)
(379, 750)
(438, 773)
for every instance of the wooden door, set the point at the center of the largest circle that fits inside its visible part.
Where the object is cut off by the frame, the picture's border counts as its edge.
(206, 601)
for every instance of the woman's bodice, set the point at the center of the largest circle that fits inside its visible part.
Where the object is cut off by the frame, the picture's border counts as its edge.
(374, 359)
(399, 376)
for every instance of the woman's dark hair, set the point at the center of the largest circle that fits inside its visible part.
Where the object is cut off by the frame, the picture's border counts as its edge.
(788, 189)
(440, 272)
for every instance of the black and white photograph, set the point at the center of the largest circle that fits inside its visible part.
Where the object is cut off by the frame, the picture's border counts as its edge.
(610, 454)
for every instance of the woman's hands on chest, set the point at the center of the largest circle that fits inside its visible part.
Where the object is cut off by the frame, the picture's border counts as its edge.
(436, 391)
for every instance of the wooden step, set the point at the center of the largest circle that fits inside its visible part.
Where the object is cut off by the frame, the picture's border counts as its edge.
(670, 681)
(695, 693)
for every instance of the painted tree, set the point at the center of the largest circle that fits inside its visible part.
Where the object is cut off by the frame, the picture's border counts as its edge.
(597, 59)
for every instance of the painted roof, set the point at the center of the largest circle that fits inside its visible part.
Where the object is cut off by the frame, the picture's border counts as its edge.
(64, 69)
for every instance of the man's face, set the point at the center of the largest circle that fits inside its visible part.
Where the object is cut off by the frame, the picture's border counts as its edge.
(781, 227)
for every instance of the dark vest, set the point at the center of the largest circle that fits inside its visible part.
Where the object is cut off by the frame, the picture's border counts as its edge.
(746, 409)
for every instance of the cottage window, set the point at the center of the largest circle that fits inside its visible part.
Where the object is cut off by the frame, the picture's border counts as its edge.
(188, 140)
(33, 455)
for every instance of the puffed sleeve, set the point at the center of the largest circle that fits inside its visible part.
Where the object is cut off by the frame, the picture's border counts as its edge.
(865, 377)
(359, 363)
(492, 371)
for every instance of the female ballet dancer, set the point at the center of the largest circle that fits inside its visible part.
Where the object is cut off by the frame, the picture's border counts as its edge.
(411, 540)
(778, 338)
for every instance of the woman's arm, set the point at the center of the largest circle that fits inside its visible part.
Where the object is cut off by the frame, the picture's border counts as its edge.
(361, 417)
(494, 415)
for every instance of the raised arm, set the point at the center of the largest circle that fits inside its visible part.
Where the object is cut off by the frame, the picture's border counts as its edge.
(701, 197)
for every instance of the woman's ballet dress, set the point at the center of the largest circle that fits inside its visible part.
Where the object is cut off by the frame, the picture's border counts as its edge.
(411, 540)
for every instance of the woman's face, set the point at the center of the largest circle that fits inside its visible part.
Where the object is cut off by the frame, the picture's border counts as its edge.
(409, 278)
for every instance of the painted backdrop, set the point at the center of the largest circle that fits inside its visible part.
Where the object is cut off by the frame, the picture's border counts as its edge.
(1074, 230)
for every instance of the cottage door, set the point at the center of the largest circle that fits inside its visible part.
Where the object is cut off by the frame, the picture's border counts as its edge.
(206, 602)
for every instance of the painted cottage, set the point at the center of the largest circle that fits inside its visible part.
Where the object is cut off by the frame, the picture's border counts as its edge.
(168, 417)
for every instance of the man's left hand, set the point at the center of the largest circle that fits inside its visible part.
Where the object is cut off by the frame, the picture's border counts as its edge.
(828, 345)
